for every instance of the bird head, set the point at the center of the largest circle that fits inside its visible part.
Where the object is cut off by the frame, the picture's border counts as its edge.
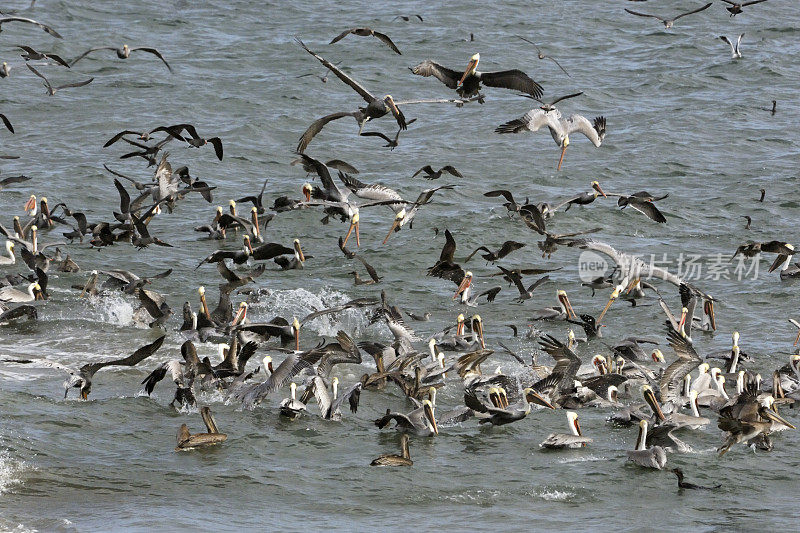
(353, 226)
(30, 205)
(596, 186)
(398, 221)
(306, 190)
(298, 250)
(472, 66)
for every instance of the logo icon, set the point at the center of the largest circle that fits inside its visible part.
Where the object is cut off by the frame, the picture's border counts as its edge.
(591, 265)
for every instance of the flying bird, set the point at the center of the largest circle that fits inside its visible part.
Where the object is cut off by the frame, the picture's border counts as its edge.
(668, 23)
(124, 53)
(367, 32)
(559, 127)
(543, 56)
(430, 174)
(736, 7)
(52, 90)
(735, 50)
(44, 27)
(469, 83)
(31, 54)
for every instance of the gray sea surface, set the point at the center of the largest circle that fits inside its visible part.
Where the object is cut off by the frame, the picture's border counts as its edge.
(682, 117)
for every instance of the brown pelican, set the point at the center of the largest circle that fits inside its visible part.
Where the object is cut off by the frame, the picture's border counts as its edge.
(575, 439)
(367, 32)
(82, 378)
(11, 259)
(44, 27)
(564, 310)
(52, 90)
(294, 262)
(492, 256)
(735, 51)
(421, 421)
(736, 7)
(10, 294)
(188, 441)
(653, 457)
(407, 214)
(502, 413)
(584, 198)
(668, 23)
(291, 407)
(124, 53)
(330, 405)
(290, 367)
(560, 383)
(747, 418)
(376, 107)
(559, 127)
(390, 459)
(787, 270)
(31, 54)
(469, 83)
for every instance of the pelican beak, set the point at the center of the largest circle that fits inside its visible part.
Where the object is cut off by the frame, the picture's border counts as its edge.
(708, 308)
(577, 426)
(596, 186)
(254, 217)
(299, 251)
(219, 214)
(203, 304)
(464, 285)
(84, 394)
(564, 145)
(296, 328)
(88, 282)
(614, 296)
(531, 396)
(427, 407)
(797, 339)
(650, 398)
(353, 226)
(241, 314)
(30, 205)
(479, 327)
(472, 66)
(632, 285)
(564, 299)
(396, 224)
(460, 325)
(307, 192)
(248, 244)
(389, 101)
(766, 412)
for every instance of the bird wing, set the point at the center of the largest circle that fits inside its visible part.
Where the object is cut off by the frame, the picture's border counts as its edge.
(516, 80)
(696, 10)
(91, 50)
(532, 121)
(45, 27)
(155, 53)
(567, 362)
(449, 248)
(7, 123)
(733, 50)
(648, 208)
(430, 68)
(351, 395)
(74, 84)
(365, 94)
(135, 358)
(316, 127)
(501, 192)
(753, 2)
(387, 41)
(289, 368)
(270, 250)
(632, 12)
(370, 269)
(688, 359)
(593, 131)
(41, 363)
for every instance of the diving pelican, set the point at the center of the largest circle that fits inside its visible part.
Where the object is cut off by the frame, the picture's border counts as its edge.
(559, 127)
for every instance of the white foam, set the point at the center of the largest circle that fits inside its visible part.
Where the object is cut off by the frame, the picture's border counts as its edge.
(554, 495)
(301, 302)
(10, 472)
(111, 308)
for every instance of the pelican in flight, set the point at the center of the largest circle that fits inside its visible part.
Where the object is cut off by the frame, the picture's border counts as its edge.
(668, 23)
(82, 378)
(575, 439)
(559, 127)
(469, 83)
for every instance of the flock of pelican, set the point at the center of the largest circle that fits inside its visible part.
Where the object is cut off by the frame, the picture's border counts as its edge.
(663, 395)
